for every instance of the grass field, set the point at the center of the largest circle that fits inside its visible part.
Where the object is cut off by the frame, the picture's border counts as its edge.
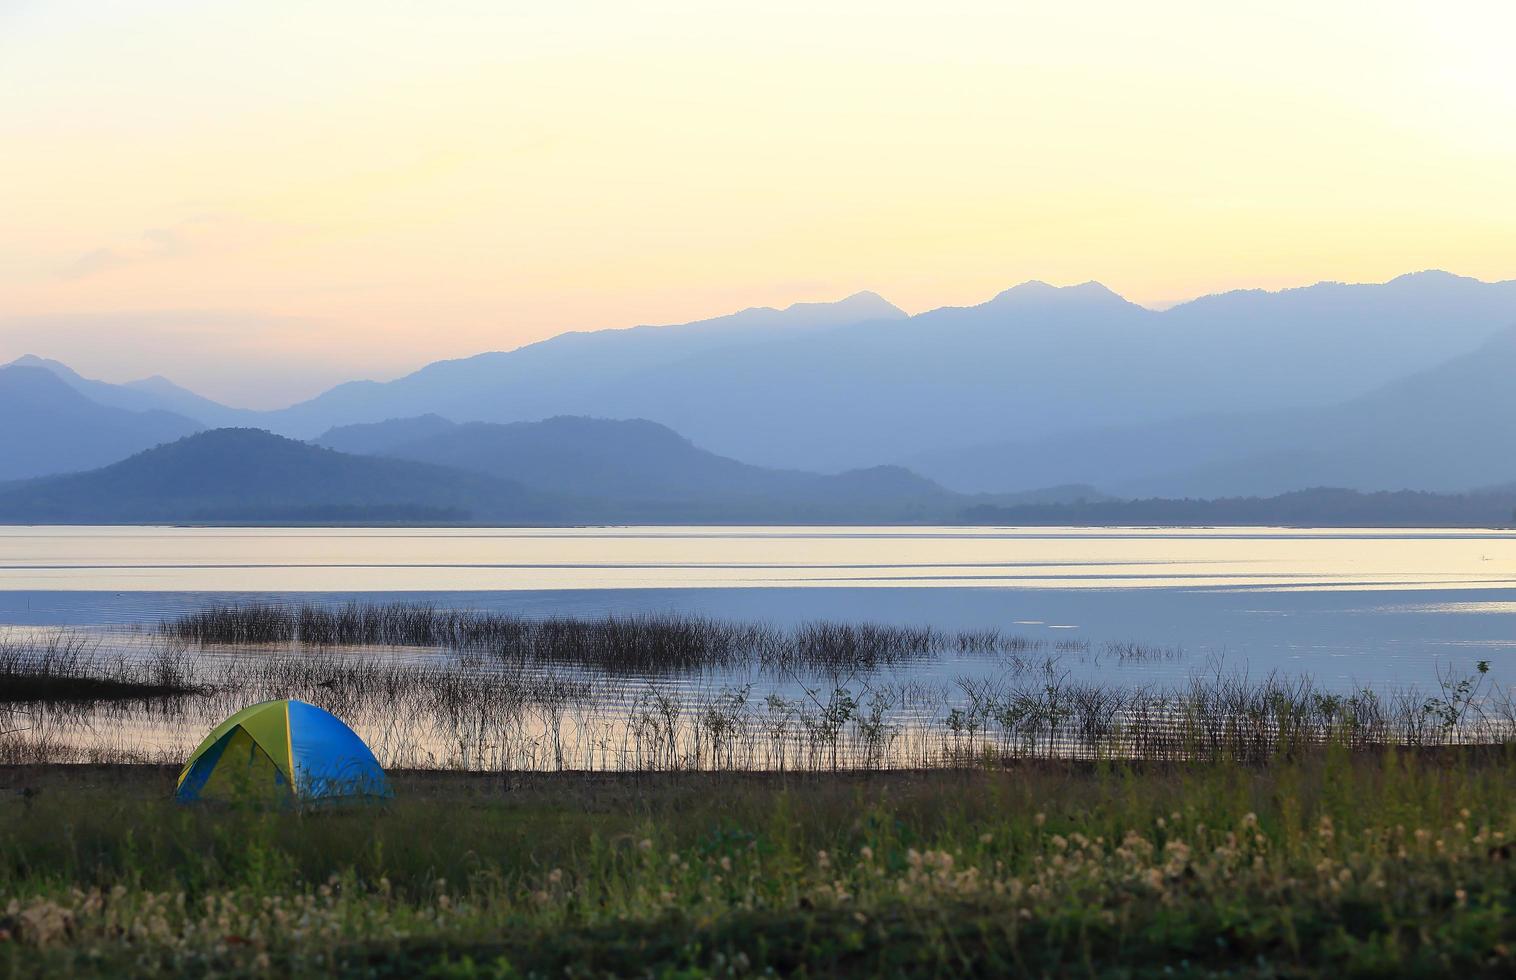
(1337, 863)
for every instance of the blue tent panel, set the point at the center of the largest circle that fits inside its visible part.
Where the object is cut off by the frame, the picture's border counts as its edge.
(201, 769)
(330, 760)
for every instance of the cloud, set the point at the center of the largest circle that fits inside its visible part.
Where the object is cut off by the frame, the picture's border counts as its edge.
(93, 263)
(163, 242)
(155, 243)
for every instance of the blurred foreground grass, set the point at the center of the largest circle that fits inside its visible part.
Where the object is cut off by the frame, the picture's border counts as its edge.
(1335, 864)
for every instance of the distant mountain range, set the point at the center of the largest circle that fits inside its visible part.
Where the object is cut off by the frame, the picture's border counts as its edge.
(1449, 428)
(1400, 385)
(571, 471)
(1320, 507)
(647, 469)
(571, 374)
(841, 386)
(154, 394)
(46, 426)
(250, 476)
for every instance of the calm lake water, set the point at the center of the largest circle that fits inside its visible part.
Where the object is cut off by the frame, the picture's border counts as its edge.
(580, 559)
(1348, 608)
(1361, 605)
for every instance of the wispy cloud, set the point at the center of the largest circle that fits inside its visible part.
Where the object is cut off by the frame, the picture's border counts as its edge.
(93, 263)
(153, 244)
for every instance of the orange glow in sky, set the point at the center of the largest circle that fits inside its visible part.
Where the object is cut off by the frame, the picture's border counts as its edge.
(259, 199)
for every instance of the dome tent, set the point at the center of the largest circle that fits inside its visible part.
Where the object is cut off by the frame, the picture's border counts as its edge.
(282, 750)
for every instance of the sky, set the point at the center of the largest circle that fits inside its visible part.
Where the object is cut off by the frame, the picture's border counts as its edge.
(259, 199)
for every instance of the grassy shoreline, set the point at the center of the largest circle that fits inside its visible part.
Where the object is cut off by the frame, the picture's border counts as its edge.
(1333, 862)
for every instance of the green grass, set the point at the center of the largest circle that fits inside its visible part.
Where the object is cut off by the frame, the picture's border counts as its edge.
(1334, 864)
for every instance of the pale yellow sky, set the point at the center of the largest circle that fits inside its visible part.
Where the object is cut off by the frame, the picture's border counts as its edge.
(261, 197)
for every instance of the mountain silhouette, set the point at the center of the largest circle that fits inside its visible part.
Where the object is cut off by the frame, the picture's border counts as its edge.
(1315, 507)
(48, 427)
(864, 384)
(247, 475)
(1377, 386)
(1447, 428)
(252, 476)
(640, 467)
(156, 393)
(561, 375)
(378, 438)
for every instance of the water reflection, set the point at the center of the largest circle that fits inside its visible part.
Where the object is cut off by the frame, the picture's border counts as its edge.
(300, 560)
(1378, 611)
(496, 710)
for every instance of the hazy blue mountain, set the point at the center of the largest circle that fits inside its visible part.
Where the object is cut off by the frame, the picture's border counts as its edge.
(1332, 341)
(1038, 362)
(237, 475)
(1243, 392)
(561, 375)
(857, 386)
(1319, 507)
(48, 427)
(253, 476)
(375, 438)
(628, 459)
(148, 394)
(632, 464)
(639, 470)
(1133, 460)
(1447, 428)
(1063, 493)
(176, 398)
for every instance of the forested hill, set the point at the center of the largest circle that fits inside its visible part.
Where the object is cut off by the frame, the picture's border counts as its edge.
(1318, 507)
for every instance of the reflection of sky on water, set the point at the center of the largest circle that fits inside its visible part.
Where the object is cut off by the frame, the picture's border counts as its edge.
(1342, 605)
(1497, 607)
(598, 727)
(331, 560)
(1338, 637)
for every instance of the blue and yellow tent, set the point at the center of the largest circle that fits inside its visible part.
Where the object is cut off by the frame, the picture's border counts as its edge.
(282, 749)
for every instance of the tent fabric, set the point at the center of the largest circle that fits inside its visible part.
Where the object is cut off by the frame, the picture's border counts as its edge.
(282, 749)
(327, 758)
(242, 769)
(267, 723)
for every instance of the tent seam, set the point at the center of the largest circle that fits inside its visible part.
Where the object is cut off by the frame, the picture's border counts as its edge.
(289, 747)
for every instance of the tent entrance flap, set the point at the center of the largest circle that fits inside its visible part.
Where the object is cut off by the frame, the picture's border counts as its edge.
(237, 767)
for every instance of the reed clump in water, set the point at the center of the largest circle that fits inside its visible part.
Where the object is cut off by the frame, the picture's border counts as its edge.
(68, 667)
(508, 692)
(644, 643)
(1130, 650)
(445, 713)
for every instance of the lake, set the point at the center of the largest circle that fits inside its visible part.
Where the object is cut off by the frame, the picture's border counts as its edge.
(1382, 609)
(1355, 604)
